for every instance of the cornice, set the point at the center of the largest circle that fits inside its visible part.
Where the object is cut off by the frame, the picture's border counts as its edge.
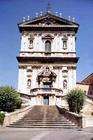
(48, 59)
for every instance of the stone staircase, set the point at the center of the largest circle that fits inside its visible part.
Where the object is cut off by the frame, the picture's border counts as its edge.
(43, 117)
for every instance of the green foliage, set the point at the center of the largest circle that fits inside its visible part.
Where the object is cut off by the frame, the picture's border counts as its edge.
(2, 116)
(18, 103)
(75, 99)
(9, 99)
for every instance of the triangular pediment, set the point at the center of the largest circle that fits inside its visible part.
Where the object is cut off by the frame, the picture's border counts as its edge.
(48, 19)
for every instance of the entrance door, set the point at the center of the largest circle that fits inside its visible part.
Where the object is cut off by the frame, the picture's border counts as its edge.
(46, 100)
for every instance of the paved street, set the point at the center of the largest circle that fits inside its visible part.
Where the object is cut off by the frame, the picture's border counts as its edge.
(37, 134)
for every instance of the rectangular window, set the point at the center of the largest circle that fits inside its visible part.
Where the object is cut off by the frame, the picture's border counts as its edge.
(64, 44)
(30, 44)
(47, 46)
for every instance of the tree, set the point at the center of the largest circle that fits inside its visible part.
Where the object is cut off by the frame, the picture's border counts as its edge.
(9, 99)
(75, 99)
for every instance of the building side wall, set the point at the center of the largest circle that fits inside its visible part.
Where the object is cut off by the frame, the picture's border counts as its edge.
(88, 89)
(22, 81)
(71, 78)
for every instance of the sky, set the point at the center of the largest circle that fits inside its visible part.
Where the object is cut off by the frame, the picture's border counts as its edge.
(12, 12)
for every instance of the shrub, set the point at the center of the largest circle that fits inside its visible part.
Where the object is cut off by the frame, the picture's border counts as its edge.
(2, 116)
(75, 99)
(18, 103)
(9, 99)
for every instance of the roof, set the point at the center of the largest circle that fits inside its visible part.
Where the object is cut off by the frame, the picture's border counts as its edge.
(48, 20)
(88, 80)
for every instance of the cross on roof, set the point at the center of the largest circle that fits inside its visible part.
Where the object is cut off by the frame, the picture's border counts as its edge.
(49, 8)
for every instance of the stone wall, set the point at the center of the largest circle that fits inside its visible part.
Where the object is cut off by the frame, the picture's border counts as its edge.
(87, 121)
(14, 116)
(74, 118)
(87, 113)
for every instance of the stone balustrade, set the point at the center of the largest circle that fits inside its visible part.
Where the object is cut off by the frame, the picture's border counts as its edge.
(53, 91)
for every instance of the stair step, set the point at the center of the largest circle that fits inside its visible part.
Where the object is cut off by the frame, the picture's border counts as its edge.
(47, 125)
(54, 121)
(43, 117)
(43, 122)
(26, 126)
(37, 122)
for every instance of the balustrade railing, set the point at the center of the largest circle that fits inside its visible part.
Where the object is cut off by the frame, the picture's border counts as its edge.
(55, 91)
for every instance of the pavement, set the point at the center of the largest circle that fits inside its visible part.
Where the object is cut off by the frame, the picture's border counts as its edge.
(46, 134)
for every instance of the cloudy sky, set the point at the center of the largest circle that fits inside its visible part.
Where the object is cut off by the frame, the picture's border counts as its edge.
(11, 13)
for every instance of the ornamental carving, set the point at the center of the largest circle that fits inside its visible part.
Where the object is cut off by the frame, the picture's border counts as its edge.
(48, 36)
(65, 37)
(46, 76)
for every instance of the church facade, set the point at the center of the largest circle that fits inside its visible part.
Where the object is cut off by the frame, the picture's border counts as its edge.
(47, 59)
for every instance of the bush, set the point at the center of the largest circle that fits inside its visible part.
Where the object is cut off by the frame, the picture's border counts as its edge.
(9, 99)
(75, 99)
(18, 103)
(2, 116)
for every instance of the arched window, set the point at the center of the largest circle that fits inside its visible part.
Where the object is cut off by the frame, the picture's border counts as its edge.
(65, 84)
(47, 46)
(28, 83)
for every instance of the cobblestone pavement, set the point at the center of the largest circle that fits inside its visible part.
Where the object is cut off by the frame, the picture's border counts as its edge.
(45, 134)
